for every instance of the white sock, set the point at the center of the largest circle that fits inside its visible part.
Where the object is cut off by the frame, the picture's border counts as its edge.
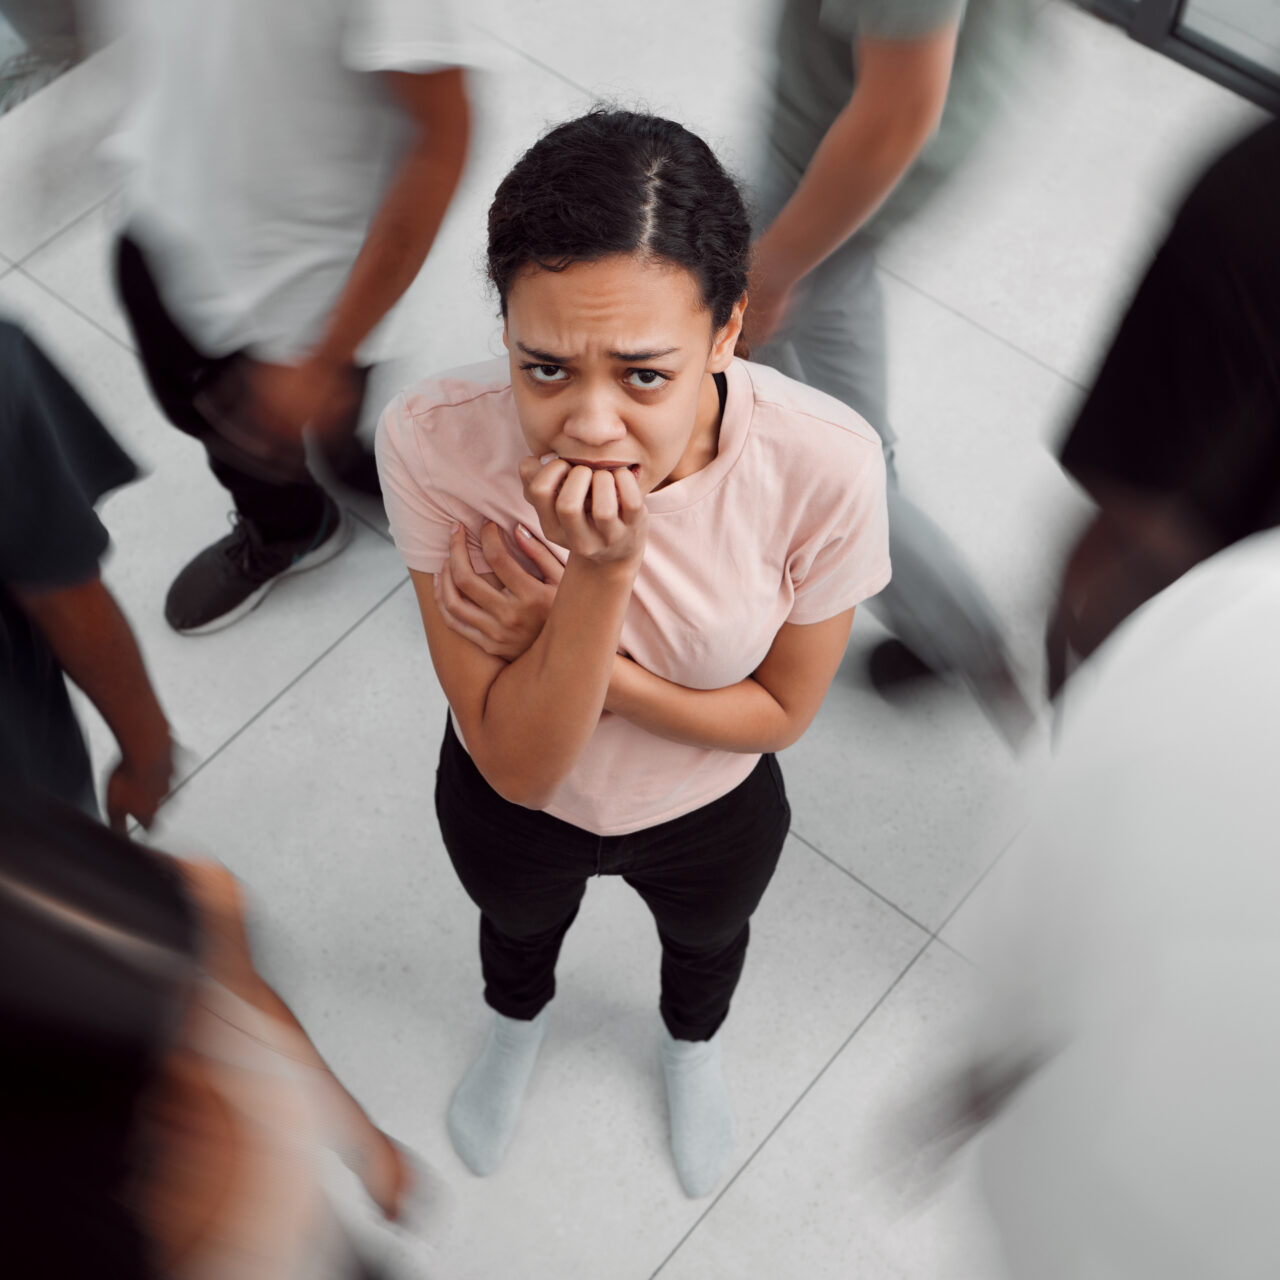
(484, 1111)
(701, 1113)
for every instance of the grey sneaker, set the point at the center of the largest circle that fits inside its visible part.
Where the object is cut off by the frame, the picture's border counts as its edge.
(231, 578)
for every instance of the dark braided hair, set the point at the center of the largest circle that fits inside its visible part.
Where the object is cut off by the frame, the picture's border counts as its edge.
(620, 182)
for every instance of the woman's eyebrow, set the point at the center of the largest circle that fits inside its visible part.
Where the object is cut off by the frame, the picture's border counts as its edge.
(545, 356)
(632, 356)
(642, 355)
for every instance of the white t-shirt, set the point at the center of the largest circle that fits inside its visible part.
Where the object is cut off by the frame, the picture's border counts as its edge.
(1137, 947)
(259, 145)
(786, 524)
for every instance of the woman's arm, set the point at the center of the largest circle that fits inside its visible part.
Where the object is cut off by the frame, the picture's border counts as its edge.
(768, 711)
(526, 722)
(500, 612)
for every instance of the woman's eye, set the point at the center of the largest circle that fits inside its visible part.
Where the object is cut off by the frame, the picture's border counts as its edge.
(545, 373)
(646, 379)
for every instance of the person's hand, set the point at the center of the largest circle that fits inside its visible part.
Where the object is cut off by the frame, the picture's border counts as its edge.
(768, 301)
(598, 515)
(285, 399)
(502, 620)
(138, 784)
(385, 1172)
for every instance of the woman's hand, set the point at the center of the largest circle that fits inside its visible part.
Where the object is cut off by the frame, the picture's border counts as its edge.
(502, 619)
(599, 516)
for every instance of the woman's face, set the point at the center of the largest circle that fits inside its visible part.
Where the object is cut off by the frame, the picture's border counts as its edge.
(611, 365)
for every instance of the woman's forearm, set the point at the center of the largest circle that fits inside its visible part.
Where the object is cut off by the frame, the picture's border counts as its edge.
(742, 717)
(541, 710)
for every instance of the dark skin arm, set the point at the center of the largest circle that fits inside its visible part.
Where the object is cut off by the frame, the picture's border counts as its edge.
(95, 646)
(317, 391)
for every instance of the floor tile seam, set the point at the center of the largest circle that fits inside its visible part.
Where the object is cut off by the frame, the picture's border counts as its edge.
(889, 902)
(280, 693)
(537, 62)
(19, 269)
(786, 1115)
(973, 888)
(1038, 361)
(22, 259)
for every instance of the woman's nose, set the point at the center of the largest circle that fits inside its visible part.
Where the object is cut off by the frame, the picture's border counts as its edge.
(593, 420)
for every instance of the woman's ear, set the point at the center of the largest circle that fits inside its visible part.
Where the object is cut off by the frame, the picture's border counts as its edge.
(725, 341)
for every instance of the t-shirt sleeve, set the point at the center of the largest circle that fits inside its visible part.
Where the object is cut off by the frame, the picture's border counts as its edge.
(844, 556)
(420, 522)
(414, 35)
(50, 535)
(889, 19)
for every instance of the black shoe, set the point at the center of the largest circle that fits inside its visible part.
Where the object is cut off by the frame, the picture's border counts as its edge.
(891, 666)
(230, 578)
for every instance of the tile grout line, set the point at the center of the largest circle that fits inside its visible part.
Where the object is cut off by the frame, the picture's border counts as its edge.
(859, 881)
(537, 62)
(862, 1022)
(257, 715)
(982, 328)
(71, 306)
(973, 888)
(48, 240)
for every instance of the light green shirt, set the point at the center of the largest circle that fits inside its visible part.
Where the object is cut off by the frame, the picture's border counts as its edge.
(817, 73)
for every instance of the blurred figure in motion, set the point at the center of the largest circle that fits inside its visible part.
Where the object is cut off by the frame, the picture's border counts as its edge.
(1133, 1037)
(1179, 440)
(863, 130)
(291, 164)
(164, 1112)
(56, 615)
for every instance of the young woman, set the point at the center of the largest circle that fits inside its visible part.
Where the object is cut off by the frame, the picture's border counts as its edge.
(616, 702)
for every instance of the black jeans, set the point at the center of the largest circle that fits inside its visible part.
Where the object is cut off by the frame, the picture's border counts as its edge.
(701, 875)
(177, 373)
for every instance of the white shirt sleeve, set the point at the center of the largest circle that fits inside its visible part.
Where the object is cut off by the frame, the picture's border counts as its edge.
(415, 35)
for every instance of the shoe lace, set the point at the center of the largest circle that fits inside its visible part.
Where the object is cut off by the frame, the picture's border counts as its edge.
(246, 552)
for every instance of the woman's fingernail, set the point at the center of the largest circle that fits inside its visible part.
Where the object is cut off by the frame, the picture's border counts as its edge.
(522, 532)
(546, 457)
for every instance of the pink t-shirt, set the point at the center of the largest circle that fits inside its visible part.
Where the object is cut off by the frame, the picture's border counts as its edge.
(787, 523)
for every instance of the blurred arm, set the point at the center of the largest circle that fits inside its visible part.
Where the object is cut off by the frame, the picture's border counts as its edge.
(229, 959)
(405, 226)
(95, 646)
(894, 110)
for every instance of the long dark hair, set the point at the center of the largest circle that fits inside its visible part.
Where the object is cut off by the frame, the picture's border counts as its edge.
(615, 182)
(97, 957)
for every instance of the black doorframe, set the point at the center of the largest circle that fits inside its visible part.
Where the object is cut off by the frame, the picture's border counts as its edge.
(1155, 24)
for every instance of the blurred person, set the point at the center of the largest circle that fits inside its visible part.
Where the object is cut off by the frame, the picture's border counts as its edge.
(57, 618)
(1123, 1076)
(1178, 441)
(877, 102)
(289, 167)
(618, 689)
(164, 1114)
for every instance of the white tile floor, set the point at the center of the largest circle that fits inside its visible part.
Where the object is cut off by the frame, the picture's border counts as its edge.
(314, 723)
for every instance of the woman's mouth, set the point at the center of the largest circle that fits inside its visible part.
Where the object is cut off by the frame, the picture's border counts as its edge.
(602, 464)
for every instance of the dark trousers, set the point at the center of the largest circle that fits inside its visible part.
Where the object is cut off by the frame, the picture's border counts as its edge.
(701, 875)
(178, 374)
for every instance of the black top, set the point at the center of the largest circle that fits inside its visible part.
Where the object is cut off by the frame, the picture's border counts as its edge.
(56, 461)
(1187, 402)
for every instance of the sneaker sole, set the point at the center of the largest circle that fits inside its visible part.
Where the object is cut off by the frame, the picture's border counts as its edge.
(330, 547)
